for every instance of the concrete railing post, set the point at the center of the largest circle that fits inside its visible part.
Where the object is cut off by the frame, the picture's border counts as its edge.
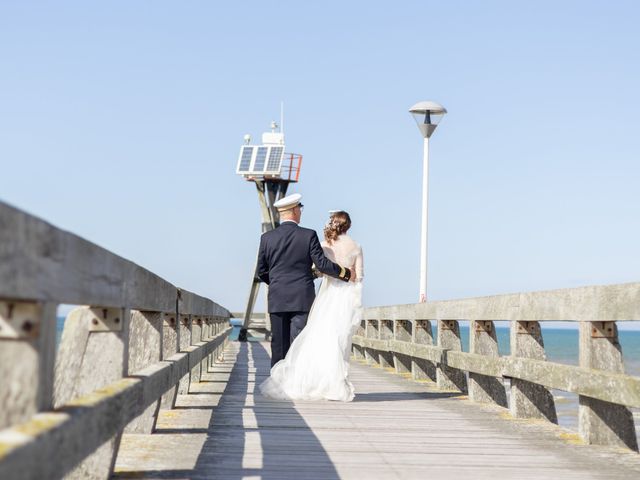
(145, 348)
(170, 347)
(220, 326)
(423, 334)
(196, 337)
(449, 338)
(529, 400)
(402, 333)
(358, 351)
(207, 334)
(602, 422)
(482, 388)
(371, 331)
(386, 333)
(27, 359)
(215, 329)
(184, 337)
(92, 354)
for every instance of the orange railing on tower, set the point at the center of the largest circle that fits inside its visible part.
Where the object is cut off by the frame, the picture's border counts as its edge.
(291, 166)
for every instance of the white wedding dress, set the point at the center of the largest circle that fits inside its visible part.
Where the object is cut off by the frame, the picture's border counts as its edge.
(317, 364)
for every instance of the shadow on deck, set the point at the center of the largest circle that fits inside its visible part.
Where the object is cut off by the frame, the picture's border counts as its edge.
(395, 429)
(246, 437)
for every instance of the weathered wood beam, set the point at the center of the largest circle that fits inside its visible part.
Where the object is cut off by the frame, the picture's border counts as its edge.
(483, 342)
(145, 348)
(403, 332)
(529, 399)
(599, 384)
(372, 335)
(595, 303)
(170, 346)
(40, 262)
(92, 355)
(602, 422)
(51, 444)
(385, 358)
(447, 376)
(27, 353)
(422, 369)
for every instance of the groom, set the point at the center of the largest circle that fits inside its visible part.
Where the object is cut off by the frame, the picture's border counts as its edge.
(284, 263)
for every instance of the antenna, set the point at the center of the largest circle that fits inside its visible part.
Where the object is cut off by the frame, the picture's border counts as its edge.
(282, 117)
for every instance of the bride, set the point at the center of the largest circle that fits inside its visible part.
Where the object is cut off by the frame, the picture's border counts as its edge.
(317, 364)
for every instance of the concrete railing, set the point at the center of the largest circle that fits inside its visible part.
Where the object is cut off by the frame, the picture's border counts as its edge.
(135, 343)
(401, 337)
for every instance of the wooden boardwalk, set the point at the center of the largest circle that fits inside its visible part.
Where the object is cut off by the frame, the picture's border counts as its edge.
(394, 429)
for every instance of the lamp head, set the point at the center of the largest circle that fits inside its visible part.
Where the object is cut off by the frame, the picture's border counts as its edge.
(427, 115)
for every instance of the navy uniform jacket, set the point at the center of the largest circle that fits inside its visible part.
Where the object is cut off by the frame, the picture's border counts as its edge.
(284, 263)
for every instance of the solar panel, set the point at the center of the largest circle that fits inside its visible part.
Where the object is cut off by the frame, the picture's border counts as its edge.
(261, 158)
(274, 165)
(244, 162)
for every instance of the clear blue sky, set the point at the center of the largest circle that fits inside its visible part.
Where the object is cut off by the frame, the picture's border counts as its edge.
(121, 121)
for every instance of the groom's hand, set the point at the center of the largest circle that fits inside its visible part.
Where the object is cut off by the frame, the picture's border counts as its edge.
(345, 274)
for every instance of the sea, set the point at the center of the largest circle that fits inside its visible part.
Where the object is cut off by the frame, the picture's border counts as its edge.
(561, 346)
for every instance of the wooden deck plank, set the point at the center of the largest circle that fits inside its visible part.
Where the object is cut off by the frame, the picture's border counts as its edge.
(394, 429)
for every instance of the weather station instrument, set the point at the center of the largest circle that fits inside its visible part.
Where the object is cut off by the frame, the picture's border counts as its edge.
(272, 170)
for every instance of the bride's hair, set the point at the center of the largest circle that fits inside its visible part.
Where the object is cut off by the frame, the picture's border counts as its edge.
(339, 223)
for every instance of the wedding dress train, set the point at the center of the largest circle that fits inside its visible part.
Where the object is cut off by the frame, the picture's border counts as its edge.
(317, 364)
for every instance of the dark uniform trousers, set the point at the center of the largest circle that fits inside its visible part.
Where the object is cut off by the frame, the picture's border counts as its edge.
(285, 327)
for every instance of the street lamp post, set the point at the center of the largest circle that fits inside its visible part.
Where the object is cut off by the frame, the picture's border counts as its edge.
(427, 116)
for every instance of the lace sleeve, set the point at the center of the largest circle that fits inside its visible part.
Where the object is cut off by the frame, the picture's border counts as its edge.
(359, 265)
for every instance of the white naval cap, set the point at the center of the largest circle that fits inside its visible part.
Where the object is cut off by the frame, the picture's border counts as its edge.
(288, 202)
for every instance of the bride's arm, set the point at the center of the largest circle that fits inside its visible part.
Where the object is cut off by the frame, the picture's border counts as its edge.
(359, 265)
(324, 264)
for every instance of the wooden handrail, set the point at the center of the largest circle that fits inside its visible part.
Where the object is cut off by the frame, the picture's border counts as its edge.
(401, 337)
(136, 343)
